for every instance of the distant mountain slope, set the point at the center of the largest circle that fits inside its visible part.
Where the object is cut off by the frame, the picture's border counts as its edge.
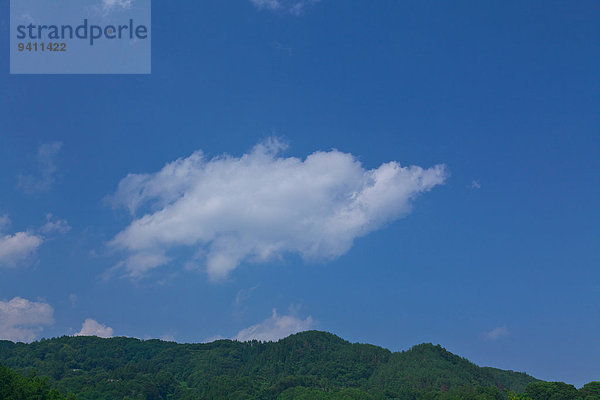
(432, 367)
(305, 365)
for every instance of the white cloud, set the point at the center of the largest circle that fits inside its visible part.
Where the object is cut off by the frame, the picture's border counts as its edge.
(496, 333)
(92, 327)
(22, 320)
(46, 168)
(294, 7)
(475, 185)
(54, 224)
(274, 328)
(18, 248)
(261, 206)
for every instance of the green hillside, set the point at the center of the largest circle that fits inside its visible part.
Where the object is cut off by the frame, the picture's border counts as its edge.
(308, 365)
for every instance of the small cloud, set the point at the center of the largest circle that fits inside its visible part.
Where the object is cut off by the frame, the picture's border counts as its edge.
(267, 4)
(16, 249)
(55, 225)
(285, 49)
(293, 7)
(26, 18)
(44, 177)
(496, 333)
(274, 328)
(475, 185)
(22, 320)
(92, 327)
(4, 222)
(73, 299)
(109, 5)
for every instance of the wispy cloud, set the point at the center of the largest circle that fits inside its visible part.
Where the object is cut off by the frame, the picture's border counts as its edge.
(475, 185)
(496, 333)
(274, 328)
(286, 49)
(109, 5)
(91, 327)
(244, 294)
(45, 169)
(26, 18)
(213, 338)
(293, 7)
(22, 320)
(260, 206)
(105, 8)
(55, 225)
(4, 222)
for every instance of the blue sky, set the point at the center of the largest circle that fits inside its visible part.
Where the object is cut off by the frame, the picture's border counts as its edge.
(260, 168)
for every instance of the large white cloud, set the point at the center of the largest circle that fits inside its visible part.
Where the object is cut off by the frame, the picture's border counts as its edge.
(16, 249)
(274, 328)
(22, 320)
(92, 327)
(260, 206)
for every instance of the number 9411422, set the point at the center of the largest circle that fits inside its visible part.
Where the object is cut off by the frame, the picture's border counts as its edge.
(50, 46)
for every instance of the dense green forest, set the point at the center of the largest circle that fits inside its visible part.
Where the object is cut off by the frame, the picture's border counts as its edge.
(308, 365)
(14, 386)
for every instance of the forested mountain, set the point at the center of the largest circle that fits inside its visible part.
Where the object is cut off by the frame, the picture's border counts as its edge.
(308, 365)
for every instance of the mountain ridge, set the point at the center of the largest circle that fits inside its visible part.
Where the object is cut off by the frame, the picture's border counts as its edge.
(305, 362)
